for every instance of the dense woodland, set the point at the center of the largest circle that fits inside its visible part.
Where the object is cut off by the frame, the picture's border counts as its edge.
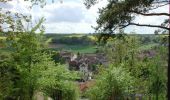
(30, 61)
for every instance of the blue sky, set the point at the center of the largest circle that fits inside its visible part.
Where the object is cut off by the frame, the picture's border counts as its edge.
(71, 16)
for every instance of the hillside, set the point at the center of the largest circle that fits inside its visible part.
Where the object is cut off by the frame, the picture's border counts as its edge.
(81, 43)
(87, 43)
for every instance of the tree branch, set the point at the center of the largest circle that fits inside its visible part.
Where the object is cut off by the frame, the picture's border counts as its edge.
(151, 14)
(147, 25)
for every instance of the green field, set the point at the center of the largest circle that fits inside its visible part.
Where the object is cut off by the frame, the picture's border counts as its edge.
(76, 48)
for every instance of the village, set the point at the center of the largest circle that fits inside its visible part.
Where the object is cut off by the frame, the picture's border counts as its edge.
(76, 61)
(86, 64)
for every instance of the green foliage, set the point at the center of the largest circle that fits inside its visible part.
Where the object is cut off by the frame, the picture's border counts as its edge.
(158, 80)
(149, 72)
(20, 62)
(111, 83)
(158, 76)
(28, 67)
(57, 58)
(28, 60)
(57, 82)
(9, 75)
(35, 69)
(121, 49)
(73, 40)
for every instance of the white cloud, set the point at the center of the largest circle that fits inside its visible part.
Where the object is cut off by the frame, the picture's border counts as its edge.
(64, 13)
(70, 17)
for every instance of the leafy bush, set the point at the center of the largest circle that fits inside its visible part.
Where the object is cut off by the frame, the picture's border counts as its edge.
(57, 82)
(111, 83)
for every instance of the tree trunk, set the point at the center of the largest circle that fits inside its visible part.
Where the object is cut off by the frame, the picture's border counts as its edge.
(30, 93)
(150, 97)
(157, 97)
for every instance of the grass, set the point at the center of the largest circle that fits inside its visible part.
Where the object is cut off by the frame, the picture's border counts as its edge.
(77, 48)
(83, 49)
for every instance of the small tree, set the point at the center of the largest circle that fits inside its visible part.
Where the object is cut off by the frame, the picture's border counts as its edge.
(111, 84)
(57, 82)
(35, 66)
(158, 78)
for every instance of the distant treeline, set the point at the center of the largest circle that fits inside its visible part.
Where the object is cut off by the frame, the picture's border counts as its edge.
(72, 40)
(80, 39)
(152, 38)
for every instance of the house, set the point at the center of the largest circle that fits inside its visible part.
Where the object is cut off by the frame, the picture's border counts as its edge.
(83, 68)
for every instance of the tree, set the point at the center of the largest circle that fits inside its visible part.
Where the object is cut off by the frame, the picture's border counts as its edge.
(112, 83)
(17, 69)
(28, 58)
(121, 13)
(58, 83)
(149, 72)
(10, 25)
(30, 66)
(122, 48)
(116, 50)
(157, 79)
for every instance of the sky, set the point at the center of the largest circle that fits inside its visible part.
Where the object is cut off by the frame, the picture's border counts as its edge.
(71, 16)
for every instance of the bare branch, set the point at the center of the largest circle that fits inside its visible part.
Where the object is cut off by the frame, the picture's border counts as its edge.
(148, 25)
(151, 14)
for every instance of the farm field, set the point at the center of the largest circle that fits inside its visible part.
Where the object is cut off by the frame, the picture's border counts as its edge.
(74, 48)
